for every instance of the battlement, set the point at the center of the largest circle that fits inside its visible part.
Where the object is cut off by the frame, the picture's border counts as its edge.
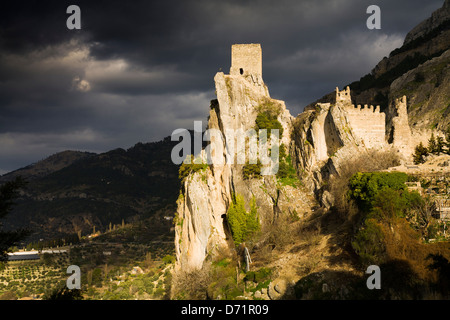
(367, 109)
(367, 122)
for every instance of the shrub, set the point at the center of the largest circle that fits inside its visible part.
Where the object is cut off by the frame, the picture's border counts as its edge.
(186, 169)
(267, 118)
(250, 171)
(287, 175)
(168, 259)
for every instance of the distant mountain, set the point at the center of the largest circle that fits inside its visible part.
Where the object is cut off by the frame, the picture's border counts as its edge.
(49, 165)
(427, 88)
(73, 192)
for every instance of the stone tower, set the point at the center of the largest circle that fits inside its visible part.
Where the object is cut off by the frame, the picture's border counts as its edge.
(343, 96)
(401, 132)
(246, 60)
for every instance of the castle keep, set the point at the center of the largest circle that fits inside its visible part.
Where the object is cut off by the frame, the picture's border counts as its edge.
(246, 61)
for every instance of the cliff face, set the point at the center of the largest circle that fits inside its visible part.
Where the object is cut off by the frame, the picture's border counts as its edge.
(201, 230)
(437, 18)
(427, 88)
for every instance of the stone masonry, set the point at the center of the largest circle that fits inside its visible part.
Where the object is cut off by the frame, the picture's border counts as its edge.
(246, 60)
(367, 122)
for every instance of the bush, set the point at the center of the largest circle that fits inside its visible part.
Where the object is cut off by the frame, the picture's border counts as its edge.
(260, 275)
(266, 120)
(250, 171)
(267, 117)
(287, 175)
(186, 169)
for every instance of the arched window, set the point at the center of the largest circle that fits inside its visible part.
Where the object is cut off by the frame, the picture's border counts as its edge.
(241, 71)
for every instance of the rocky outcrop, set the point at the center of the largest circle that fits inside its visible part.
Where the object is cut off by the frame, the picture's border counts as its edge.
(437, 18)
(201, 230)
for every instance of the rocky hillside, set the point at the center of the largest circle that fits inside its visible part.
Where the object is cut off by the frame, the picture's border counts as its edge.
(307, 231)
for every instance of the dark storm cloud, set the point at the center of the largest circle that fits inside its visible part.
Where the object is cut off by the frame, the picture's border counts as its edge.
(139, 69)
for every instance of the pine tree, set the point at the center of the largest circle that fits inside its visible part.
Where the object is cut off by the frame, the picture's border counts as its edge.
(432, 144)
(447, 138)
(440, 145)
(419, 153)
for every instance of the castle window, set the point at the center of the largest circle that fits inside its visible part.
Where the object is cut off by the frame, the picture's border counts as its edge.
(241, 71)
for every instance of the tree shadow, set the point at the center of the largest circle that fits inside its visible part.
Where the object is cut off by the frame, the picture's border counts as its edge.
(398, 282)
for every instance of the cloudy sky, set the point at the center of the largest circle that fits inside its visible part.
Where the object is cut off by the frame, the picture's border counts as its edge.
(137, 70)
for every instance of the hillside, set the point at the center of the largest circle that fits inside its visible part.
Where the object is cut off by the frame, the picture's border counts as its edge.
(73, 192)
(46, 166)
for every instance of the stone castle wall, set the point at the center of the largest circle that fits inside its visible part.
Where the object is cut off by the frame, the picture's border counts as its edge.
(367, 123)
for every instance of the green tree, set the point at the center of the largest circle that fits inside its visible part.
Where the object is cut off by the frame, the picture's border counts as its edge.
(243, 224)
(364, 187)
(440, 145)
(368, 242)
(419, 153)
(432, 144)
(389, 204)
(8, 193)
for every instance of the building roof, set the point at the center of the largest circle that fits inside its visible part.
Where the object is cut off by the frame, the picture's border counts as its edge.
(23, 255)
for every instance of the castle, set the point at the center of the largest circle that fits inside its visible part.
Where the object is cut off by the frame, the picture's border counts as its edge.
(368, 123)
(369, 126)
(373, 128)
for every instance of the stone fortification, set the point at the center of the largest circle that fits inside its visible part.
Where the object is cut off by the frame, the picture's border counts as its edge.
(401, 132)
(246, 60)
(367, 122)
